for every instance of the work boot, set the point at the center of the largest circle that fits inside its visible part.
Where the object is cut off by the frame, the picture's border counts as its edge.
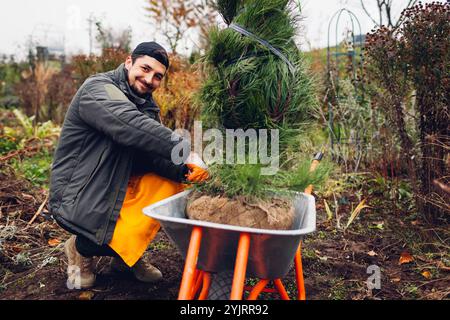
(80, 270)
(141, 270)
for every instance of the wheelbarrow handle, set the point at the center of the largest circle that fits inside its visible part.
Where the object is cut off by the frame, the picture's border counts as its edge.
(317, 158)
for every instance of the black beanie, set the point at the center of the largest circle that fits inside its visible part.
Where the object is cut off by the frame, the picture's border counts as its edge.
(154, 50)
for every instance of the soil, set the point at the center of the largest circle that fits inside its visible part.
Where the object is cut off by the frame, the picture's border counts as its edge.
(276, 214)
(335, 262)
(335, 267)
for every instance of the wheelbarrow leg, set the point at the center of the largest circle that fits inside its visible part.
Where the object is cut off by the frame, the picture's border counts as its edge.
(205, 288)
(187, 282)
(299, 273)
(281, 289)
(240, 268)
(198, 280)
(258, 289)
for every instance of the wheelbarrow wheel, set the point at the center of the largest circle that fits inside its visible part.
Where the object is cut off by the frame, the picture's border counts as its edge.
(220, 288)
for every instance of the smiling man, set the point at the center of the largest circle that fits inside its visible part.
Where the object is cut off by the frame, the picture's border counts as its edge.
(145, 72)
(111, 135)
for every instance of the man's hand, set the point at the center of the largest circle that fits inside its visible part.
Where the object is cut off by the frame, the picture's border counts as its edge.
(196, 174)
(197, 168)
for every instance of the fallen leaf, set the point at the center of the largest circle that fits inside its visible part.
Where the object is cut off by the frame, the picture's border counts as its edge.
(405, 257)
(426, 274)
(395, 279)
(327, 209)
(86, 295)
(17, 249)
(372, 253)
(53, 242)
(443, 266)
(356, 212)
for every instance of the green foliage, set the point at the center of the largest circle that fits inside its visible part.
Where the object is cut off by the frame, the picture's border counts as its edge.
(392, 189)
(36, 144)
(228, 9)
(28, 131)
(246, 179)
(249, 87)
(233, 180)
(26, 122)
(8, 144)
(299, 177)
(36, 169)
(9, 77)
(9, 74)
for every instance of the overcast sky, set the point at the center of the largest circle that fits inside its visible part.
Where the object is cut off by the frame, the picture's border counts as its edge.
(64, 22)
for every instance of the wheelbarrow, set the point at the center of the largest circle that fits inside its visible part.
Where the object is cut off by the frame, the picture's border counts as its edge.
(213, 250)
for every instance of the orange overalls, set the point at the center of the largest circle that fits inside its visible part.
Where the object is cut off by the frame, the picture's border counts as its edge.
(134, 231)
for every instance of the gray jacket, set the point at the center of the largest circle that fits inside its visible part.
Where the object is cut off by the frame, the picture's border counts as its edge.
(108, 134)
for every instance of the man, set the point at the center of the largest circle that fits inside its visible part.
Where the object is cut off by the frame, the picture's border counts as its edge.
(111, 131)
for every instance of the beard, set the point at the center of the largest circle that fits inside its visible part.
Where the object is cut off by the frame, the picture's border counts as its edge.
(138, 90)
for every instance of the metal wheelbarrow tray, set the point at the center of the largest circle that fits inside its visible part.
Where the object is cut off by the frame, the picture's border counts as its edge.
(271, 251)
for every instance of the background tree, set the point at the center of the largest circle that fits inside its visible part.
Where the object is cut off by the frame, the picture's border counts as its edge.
(175, 18)
(110, 39)
(384, 15)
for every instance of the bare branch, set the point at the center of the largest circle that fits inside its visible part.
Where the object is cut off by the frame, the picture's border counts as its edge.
(380, 11)
(385, 11)
(367, 12)
(388, 14)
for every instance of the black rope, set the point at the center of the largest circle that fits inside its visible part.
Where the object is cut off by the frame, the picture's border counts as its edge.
(263, 42)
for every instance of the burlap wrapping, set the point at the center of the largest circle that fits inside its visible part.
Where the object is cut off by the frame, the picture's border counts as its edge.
(276, 214)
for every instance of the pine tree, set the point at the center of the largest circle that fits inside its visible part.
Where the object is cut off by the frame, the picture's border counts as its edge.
(256, 78)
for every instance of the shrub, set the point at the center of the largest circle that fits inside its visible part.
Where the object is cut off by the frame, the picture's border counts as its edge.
(416, 55)
(176, 97)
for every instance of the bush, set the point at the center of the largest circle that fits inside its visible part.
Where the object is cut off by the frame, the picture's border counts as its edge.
(9, 76)
(8, 144)
(426, 33)
(35, 169)
(416, 56)
(84, 66)
(176, 97)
